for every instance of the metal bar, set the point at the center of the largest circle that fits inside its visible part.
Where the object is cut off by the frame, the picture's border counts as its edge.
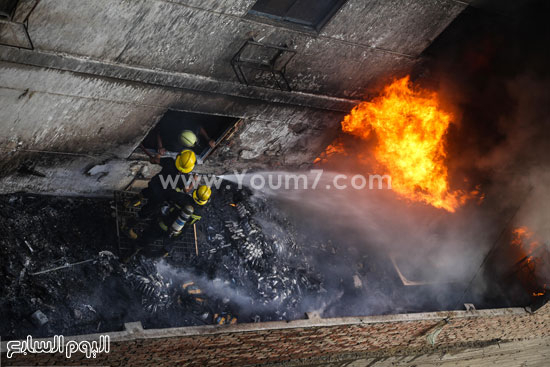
(26, 20)
(50, 152)
(63, 267)
(196, 243)
(277, 80)
(269, 45)
(218, 141)
(117, 223)
(286, 82)
(26, 27)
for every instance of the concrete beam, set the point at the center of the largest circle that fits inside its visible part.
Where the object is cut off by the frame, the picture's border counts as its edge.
(172, 80)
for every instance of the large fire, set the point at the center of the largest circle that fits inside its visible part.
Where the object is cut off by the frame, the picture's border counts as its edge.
(531, 254)
(524, 240)
(410, 127)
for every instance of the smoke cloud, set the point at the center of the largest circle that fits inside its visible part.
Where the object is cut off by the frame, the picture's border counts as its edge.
(491, 70)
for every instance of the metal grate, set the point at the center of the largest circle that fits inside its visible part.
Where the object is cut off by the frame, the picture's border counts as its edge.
(266, 60)
(183, 249)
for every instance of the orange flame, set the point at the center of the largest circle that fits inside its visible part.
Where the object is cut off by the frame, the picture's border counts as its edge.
(525, 241)
(336, 147)
(410, 128)
(530, 252)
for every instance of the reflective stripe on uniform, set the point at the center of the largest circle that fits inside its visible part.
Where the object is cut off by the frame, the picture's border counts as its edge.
(195, 218)
(163, 226)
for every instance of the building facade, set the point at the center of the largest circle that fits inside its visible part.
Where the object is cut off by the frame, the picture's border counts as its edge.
(81, 83)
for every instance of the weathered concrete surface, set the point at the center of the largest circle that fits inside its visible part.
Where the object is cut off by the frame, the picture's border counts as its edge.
(48, 108)
(400, 26)
(169, 35)
(78, 176)
(13, 34)
(287, 144)
(189, 82)
(229, 7)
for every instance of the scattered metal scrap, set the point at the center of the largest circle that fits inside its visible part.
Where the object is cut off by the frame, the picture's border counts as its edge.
(63, 267)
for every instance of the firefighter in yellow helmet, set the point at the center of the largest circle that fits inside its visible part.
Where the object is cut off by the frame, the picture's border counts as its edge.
(201, 196)
(188, 138)
(185, 161)
(170, 183)
(175, 133)
(183, 211)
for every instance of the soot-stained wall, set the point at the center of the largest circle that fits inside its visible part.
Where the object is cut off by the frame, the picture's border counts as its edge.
(98, 75)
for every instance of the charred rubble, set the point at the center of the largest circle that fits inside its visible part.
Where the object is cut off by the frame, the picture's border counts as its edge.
(63, 271)
(41, 232)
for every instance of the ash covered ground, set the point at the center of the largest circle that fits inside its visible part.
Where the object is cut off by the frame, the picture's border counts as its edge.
(255, 264)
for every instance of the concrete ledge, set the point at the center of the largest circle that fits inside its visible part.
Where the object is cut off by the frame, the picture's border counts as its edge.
(135, 330)
(319, 341)
(171, 79)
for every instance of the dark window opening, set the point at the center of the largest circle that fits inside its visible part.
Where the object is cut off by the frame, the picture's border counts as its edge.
(7, 8)
(311, 14)
(209, 129)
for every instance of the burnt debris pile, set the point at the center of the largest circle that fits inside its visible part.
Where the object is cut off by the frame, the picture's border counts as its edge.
(254, 260)
(40, 233)
(62, 271)
(251, 247)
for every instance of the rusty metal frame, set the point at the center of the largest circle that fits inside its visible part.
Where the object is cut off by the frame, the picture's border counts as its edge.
(266, 66)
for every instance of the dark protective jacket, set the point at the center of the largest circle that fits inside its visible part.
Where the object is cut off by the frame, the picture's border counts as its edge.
(156, 193)
(175, 209)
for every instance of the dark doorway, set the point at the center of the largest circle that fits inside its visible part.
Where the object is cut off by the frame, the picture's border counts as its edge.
(209, 130)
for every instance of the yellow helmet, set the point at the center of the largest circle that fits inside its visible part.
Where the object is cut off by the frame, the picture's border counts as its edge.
(185, 162)
(188, 138)
(202, 194)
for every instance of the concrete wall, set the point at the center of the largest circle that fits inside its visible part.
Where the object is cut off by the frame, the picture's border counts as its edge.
(369, 341)
(364, 39)
(61, 111)
(60, 115)
(101, 73)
